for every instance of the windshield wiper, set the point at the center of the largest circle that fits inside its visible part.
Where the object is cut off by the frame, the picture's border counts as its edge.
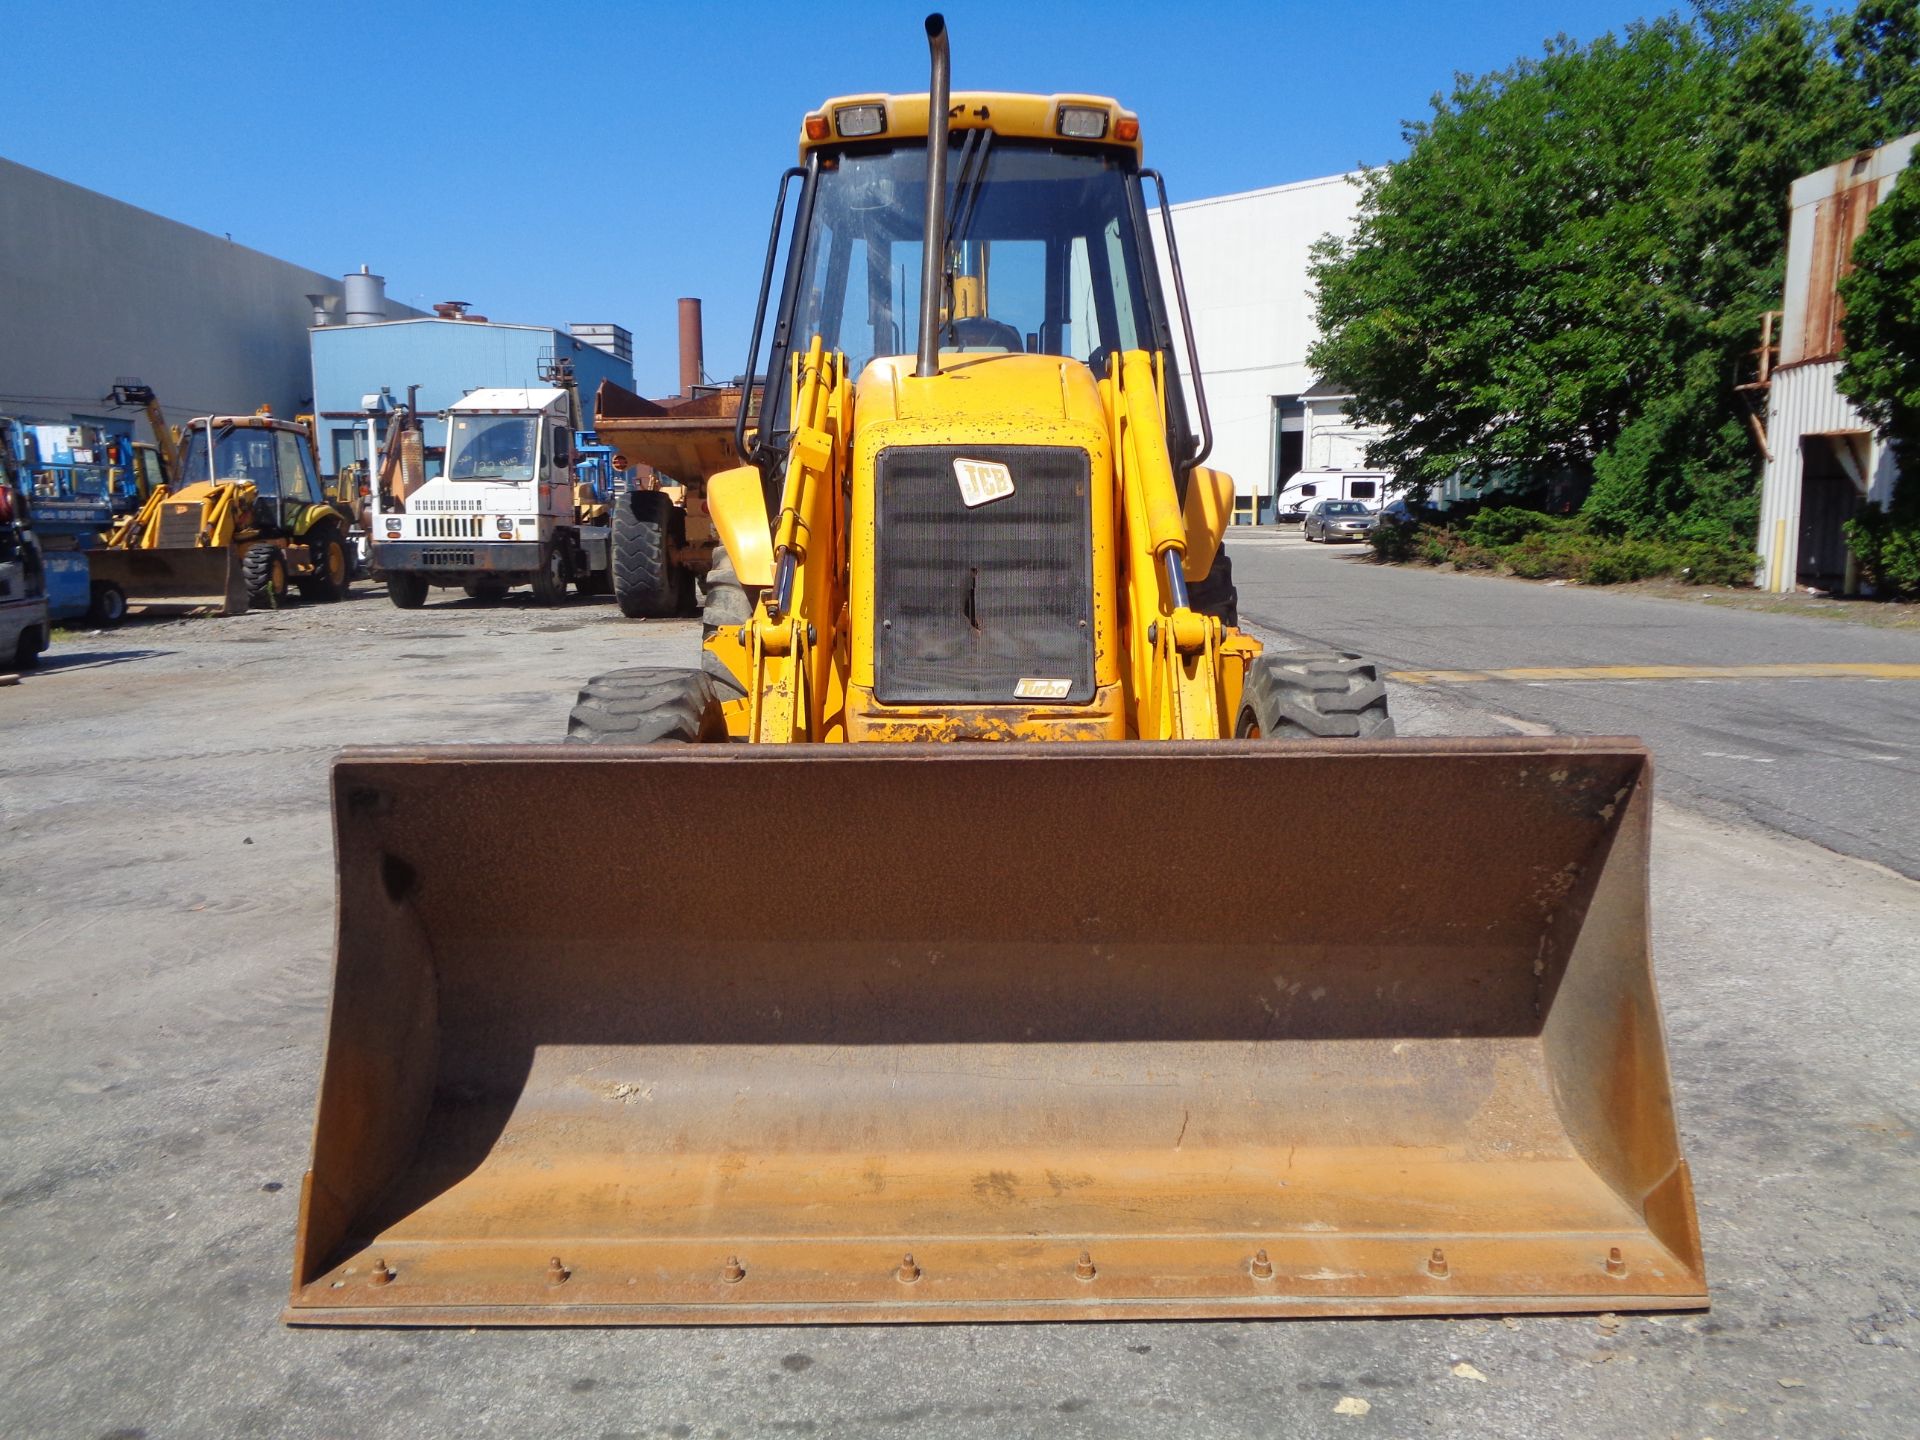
(966, 198)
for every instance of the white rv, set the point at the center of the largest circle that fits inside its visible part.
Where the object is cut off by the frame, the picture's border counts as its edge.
(1303, 489)
(501, 511)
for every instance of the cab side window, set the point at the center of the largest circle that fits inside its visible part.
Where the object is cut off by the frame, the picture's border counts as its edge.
(297, 481)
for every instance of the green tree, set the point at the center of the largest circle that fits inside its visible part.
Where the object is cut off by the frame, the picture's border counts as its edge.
(1882, 378)
(1565, 272)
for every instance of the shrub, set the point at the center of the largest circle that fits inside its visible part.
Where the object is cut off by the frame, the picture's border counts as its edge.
(1535, 546)
(1888, 548)
(1508, 525)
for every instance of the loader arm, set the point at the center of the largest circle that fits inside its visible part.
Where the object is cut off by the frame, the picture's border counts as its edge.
(1175, 670)
(796, 644)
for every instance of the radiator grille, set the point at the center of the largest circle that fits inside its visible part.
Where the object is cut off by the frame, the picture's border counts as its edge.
(458, 559)
(180, 522)
(974, 601)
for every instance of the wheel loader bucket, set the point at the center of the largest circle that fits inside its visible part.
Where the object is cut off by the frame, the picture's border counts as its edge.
(181, 574)
(993, 1032)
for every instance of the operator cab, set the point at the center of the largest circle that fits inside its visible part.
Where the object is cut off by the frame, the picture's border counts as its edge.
(272, 457)
(1048, 246)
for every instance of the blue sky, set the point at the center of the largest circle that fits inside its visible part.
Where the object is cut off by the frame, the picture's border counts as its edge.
(590, 161)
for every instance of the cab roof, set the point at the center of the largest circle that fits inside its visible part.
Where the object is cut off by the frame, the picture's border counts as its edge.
(1033, 117)
(513, 398)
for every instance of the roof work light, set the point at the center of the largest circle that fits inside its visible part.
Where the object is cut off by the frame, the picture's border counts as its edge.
(1079, 122)
(854, 121)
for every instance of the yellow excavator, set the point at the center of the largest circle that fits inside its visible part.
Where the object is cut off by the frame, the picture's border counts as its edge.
(1186, 991)
(242, 522)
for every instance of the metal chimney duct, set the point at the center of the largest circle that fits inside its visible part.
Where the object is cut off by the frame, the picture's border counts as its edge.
(692, 356)
(322, 304)
(366, 297)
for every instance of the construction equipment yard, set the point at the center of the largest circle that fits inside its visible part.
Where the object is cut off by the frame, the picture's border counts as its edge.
(169, 892)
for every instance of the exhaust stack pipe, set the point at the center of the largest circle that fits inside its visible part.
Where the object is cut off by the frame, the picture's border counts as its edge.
(934, 252)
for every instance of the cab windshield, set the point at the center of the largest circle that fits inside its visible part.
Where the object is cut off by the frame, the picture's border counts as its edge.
(239, 453)
(491, 447)
(1043, 255)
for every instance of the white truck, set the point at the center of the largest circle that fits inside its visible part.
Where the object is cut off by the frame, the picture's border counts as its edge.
(501, 513)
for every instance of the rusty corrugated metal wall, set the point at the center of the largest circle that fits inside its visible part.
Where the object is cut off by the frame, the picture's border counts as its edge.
(1827, 211)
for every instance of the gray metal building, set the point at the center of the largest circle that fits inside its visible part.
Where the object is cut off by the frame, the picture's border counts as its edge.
(1823, 461)
(92, 289)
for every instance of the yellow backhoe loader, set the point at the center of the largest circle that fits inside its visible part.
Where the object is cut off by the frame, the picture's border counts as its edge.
(242, 522)
(938, 1030)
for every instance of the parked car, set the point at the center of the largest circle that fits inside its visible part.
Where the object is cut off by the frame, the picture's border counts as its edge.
(1405, 514)
(1337, 520)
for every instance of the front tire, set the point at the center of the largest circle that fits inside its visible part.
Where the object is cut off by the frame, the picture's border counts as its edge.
(264, 568)
(648, 585)
(1317, 694)
(550, 580)
(27, 648)
(650, 706)
(107, 604)
(407, 590)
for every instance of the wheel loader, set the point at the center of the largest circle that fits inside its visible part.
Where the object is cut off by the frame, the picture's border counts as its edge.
(242, 522)
(985, 992)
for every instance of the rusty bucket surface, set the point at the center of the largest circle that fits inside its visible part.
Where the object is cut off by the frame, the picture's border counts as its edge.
(993, 1032)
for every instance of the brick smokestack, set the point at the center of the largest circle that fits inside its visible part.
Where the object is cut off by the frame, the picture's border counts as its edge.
(692, 366)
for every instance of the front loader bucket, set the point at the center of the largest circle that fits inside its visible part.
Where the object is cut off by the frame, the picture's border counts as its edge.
(210, 575)
(1089, 1031)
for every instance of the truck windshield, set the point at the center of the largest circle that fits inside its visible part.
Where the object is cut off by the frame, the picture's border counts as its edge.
(239, 453)
(491, 447)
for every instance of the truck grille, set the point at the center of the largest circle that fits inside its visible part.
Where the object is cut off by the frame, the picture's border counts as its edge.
(450, 527)
(974, 601)
(454, 559)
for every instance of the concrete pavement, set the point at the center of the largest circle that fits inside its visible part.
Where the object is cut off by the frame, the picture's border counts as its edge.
(165, 883)
(1835, 761)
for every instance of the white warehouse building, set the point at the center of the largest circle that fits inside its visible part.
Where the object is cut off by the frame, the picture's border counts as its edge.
(1276, 426)
(1823, 461)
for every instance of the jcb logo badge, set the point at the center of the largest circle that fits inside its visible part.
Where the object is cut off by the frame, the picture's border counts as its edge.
(982, 481)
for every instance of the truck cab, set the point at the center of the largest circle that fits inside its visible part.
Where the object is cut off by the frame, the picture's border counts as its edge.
(501, 512)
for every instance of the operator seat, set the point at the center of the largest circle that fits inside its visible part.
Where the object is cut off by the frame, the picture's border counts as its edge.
(982, 333)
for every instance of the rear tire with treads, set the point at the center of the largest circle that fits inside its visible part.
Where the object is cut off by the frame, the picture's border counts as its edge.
(650, 706)
(332, 565)
(646, 582)
(727, 606)
(1314, 694)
